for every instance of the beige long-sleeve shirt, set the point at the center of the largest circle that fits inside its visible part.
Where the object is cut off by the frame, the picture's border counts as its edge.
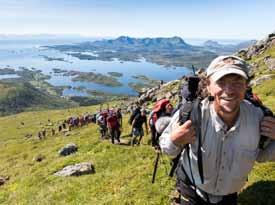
(228, 155)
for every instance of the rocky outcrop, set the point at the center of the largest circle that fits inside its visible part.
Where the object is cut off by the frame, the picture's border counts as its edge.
(68, 149)
(76, 170)
(270, 62)
(261, 79)
(167, 90)
(258, 48)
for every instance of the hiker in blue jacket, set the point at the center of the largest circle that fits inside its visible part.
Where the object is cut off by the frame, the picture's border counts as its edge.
(229, 133)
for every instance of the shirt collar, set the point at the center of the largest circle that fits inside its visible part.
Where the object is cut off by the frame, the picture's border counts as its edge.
(219, 124)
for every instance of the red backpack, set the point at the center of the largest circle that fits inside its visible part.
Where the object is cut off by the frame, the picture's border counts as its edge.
(158, 107)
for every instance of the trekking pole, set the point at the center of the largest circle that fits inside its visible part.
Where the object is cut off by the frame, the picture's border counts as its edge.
(156, 166)
(174, 165)
(194, 70)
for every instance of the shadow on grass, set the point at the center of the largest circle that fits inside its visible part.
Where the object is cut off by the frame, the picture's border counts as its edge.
(259, 193)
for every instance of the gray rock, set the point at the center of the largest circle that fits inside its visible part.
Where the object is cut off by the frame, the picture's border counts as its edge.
(68, 149)
(270, 63)
(258, 81)
(151, 95)
(3, 180)
(76, 170)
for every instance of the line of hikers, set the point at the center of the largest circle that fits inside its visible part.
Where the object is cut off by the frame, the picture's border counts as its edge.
(66, 125)
(162, 108)
(110, 122)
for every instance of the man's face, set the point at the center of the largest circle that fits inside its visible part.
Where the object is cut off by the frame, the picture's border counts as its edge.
(229, 91)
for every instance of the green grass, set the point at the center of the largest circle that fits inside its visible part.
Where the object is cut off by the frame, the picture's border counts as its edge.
(266, 92)
(123, 173)
(259, 60)
(260, 187)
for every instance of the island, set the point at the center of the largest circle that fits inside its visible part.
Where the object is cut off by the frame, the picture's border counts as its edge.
(97, 78)
(115, 74)
(54, 59)
(144, 82)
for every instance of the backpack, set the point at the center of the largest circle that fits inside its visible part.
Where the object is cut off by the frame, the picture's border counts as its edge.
(158, 108)
(101, 117)
(133, 115)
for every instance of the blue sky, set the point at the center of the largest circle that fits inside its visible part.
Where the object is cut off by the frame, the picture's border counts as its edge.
(214, 19)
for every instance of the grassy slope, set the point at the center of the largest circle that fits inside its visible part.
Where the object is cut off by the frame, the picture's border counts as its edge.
(123, 174)
(266, 90)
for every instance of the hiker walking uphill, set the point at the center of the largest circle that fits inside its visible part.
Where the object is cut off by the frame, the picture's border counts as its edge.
(113, 126)
(134, 112)
(220, 142)
(137, 129)
(102, 123)
(119, 118)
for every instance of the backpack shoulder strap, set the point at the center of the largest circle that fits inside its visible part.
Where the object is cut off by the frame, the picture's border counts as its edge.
(255, 100)
(196, 115)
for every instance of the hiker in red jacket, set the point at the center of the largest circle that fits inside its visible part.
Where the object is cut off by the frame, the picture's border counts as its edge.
(113, 126)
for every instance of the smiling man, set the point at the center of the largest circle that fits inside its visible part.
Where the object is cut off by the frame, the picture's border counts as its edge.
(217, 157)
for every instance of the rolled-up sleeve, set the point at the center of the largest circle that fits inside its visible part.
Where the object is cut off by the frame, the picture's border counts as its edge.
(166, 144)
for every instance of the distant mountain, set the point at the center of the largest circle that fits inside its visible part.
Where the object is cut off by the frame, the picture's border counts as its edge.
(213, 44)
(169, 52)
(218, 48)
(135, 44)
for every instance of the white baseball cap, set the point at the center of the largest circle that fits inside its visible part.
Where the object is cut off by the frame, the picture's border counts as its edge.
(224, 65)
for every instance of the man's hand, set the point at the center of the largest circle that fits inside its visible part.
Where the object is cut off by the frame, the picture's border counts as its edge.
(268, 127)
(184, 134)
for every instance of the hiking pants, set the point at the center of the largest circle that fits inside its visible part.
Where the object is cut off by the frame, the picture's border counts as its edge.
(103, 130)
(188, 196)
(137, 132)
(114, 132)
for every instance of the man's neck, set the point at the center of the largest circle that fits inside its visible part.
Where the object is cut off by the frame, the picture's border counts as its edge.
(228, 118)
